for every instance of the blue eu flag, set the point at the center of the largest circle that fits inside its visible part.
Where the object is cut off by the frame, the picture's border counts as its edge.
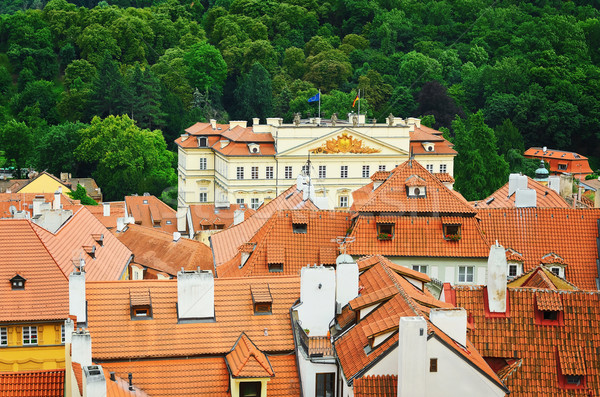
(314, 98)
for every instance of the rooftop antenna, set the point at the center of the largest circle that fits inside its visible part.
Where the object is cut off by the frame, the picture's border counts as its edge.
(342, 241)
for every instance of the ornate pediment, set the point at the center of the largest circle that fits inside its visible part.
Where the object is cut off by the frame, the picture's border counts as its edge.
(344, 144)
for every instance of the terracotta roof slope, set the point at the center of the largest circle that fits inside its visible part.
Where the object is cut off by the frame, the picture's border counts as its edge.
(246, 361)
(49, 383)
(116, 210)
(392, 196)
(545, 197)
(149, 211)
(45, 294)
(225, 244)
(376, 386)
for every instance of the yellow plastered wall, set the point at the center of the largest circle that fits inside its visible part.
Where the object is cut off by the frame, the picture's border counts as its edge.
(49, 353)
(44, 184)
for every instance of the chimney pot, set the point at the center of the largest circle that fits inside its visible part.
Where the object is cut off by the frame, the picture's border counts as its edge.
(112, 376)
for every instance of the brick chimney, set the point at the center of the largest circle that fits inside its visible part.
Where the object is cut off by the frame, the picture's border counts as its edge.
(412, 357)
(195, 295)
(496, 279)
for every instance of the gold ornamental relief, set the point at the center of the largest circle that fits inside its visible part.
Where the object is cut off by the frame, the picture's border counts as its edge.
(344, 144)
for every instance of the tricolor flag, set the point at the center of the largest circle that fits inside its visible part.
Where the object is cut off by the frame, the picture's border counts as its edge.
(355, 100)
(314, 98)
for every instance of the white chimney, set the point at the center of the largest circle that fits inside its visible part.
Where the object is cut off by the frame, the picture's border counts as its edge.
(554, 183)
(496, 279)
(69, 329)
(81, 347)
(255, 121)
(525, 198)
(414, 121)
(545, 149)
(213, 124)
(37, 205)
(181, 218)
(237, 123)
(317, 294)
(566, 185)
(195, 294)
(106, 209)
(176, 236)
(94, 382)
(346, 280)
(77, 302)
(238, 217)
(121, 224)
(453, 322)
(274, 121)
(515, 182)
(56, 204)
(412, 357)
(184, 137)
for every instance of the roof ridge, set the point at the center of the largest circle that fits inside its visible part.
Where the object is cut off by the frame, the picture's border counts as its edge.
(29, 222)
(407, 298)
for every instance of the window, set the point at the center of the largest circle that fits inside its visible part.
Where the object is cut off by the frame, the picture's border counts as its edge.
(275, 267)
(262, 307)
(562, 167)
(420, 268)
(288, 172)
(30, 335)
(305, 169)
(239, 201)
(443, 168)
(512, 270)
(203, 163)
(299, 228)
(269, 172)
(465, 274)
(254, 203)
(62, 333)
(555, 270)
(344, 201)
(382, 168)
(254, 173)
(250, 389)
(17, 282)
(344, 171)
(322, 171)
(550, 315)
(429, 168)
(433, 365)
(365, 171)
(573, 379)
(3, 336)
(452, 232)
(385, 231)
(141, 312)
(240, 173)
(202, 141)
(203, 197)
(325, 385)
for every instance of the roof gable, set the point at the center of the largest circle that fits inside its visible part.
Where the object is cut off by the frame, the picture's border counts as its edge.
(246, 361)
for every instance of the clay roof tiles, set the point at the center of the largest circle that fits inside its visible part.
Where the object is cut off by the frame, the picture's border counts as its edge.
(117, 210)
(376, 386)
(32, 383)
(545, 197)
(207, 214)
(149, 211)
(444, 177)
(24, 202)
(246, 361)
(46, 292)
(548, 301)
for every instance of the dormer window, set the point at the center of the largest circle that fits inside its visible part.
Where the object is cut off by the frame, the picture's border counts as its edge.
(514, 270)
(428, 146)
(99, 238)
(452, 228)
(275, 258)
(261, 299)
(140, 304)
(415, 187)
(299, 222)
(254, 148)
(571, 367)
(385, 231)
(202, 141)
(548, 308)
(90, 250)
(17, 282)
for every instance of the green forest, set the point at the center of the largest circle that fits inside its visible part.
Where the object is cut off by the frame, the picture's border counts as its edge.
(102, 88)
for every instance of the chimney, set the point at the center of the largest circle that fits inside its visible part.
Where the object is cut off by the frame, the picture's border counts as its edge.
(515, 182)
(94, 382)
(37, 205)
(195, 294)
(255, 121)
(566, 185)
(545, 149)
(554, 183)
(317, 294)
(176, 236)
(69, 329)
(346, 281)
(453, 322)
(238, 217)
(56, 205)
(81, 347)
(412, 357)
(121, 224)
(414, 121)
(496, 279)
(213, 124)
(525, 198)
(237, 123)
(184, 137)
(274, 121)
(106, 209)
(77, 302)
(182, 218)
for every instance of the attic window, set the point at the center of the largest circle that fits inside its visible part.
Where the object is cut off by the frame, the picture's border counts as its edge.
(513, 270)
(562, 166)
(299, 228)
(275, 267)
(145, 201)
(385, 231)
(17, 282)
(261, 299)
(99, 238)
(299, 222)
(254, 148)
(90, 250)
(140, 304)
(452, 232)
(275, 258)
(571, 367)
(202, 141)
(548, 308)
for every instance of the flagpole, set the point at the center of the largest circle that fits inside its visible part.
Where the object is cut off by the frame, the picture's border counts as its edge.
(359, 104)
(319, 103)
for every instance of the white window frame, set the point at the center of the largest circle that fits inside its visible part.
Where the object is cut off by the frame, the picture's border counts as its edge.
(420, 268)
(287, 172)
(254, 172)
(429, 168)
(239, 173)
(3, 336)
(254, 203)
(203, 197)
(62, 333)
(343, 171)
(31, 332)
(515, 267)
(322, 171)
(203, 163)
(443, 168)
(269, 172)
(239, 201)
(305, 169)
(343, 201)
(381, 167)
(365, 171)
(463, 274)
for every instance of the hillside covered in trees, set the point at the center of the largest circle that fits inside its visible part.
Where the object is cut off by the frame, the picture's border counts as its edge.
(514, 74)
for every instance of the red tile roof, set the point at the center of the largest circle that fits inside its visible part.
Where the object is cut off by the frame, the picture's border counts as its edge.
(24, 202)
(163, 336)
(444, 177)
(117, 210)
(149, 211)
(75, 236)
(545, 197)
(246, 361)
(539, 347)
(392, 195)
(572, 162)
(536, 232)
(277, 242)
(156, 249)
(225, 244)
(33, 383)
(46, 292)
(376, 386)
(541, 277)
(208, 215)
(548, 301)
(367, 262)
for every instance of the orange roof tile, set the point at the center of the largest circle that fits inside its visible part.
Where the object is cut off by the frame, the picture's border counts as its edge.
(117, 210)
(561, 161)
(418, 236)
(277, 242)
(320, 346)
(392, 195)
(156, 249)
(545, 197)
(376, 386)
(149, 211)
(535, 232)
(513, 256)
(239, 134)
(10, 202)
(548, 301)
(443, 147)
(225, 244)
(139, 297)
(208, 215)
(444, 177)
(242, 149)
(246, 361)
(520, 337)
(33, 383)
(552, 258)
(163, 336)
(46, 292)
(68, 243)
(541, 277)
(372, 298)
(328, 255)
(380, 175)
(261, 293)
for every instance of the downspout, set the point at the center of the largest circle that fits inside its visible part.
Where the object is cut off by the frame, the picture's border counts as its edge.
(296, 347)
